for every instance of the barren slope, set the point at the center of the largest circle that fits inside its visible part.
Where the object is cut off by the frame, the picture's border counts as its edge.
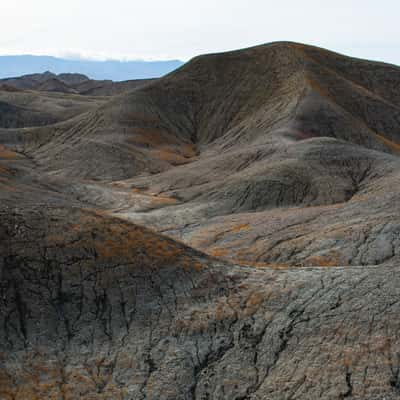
(96, 308)
(26, 108)
(126, 229)
(278, 154)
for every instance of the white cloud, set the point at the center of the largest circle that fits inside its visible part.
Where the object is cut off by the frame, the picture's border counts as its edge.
(154, 29)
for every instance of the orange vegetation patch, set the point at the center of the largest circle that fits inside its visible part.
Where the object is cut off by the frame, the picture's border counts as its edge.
(7, 154)
(189, 150)
(218, 252)
(148, 137)
(213, 234)
(169, 156)
(175, 154)
(241, 227)
(4, 170)
(223, 309)
(255, 299)
(165, 146)
(162, 200)
(329, 260)
(316, 86)
(153, 200)
(115, 240)
(253, 303)
(388, 142)
(43, 379)
(238, 258)
(200, 320)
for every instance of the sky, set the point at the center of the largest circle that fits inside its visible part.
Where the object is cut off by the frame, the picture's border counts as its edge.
(181, 29)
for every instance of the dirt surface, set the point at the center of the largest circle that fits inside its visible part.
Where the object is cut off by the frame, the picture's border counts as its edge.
(229, 231)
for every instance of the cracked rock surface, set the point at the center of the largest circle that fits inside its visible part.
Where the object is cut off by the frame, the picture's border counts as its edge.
(93, 307)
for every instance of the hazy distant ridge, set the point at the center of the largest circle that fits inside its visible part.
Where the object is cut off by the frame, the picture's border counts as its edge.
(11, 66)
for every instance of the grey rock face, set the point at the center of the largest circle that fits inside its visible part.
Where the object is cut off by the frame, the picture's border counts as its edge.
(103, 315)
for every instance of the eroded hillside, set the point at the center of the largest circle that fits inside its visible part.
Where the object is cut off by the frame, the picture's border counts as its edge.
(228, 231)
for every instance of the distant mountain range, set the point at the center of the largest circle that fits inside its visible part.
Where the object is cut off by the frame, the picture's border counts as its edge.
(67, 83)
(11, 66)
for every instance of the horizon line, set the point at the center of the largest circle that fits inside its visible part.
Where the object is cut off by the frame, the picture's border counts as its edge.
(94, 58)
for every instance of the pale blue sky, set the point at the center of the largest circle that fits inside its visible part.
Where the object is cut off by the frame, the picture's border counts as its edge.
(156, 29)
